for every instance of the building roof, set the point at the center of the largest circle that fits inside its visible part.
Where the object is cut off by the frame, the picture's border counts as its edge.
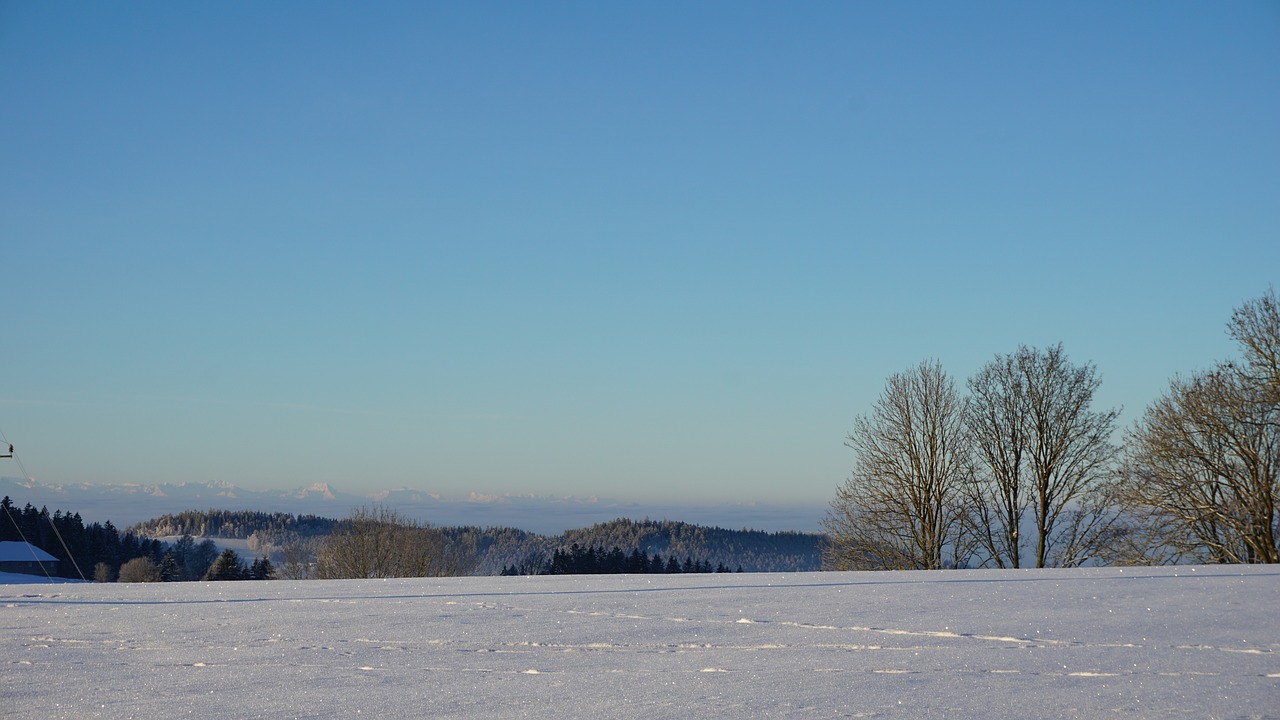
(11, 551)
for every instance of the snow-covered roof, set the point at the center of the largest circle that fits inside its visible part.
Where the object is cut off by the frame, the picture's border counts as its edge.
(12, 551)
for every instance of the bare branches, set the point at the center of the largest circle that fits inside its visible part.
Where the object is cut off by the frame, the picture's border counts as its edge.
(996, 418)
(1202, 477)
(902, 508)
(380, 543)
(1255, 325)
(940, 476)
(1045, 456)
(1026, 468)
(1202, 472)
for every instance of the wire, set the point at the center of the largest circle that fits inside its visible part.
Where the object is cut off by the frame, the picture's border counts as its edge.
(30, 547)
(58, 533)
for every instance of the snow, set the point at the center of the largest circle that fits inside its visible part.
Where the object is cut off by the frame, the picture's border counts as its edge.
(11, 578)
(11, 551)
(1139, 642)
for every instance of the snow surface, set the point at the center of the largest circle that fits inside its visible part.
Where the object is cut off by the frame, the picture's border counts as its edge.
(1199, 642)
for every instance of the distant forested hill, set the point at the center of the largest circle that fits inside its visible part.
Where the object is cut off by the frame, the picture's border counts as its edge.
(752, 550)
(499, 548)
(233, 524)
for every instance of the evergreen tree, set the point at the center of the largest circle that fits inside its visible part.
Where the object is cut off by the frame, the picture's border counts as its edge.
(262, 569)
(616, 560)
(637, 562)
(9, 520)
(226, 567)
(200, 559)
(169, 570)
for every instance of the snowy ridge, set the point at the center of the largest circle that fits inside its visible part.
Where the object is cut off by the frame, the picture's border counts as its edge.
(1139, 642)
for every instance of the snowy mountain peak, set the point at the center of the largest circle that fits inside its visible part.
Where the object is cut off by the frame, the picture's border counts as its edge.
(126, 504)
(321, 489)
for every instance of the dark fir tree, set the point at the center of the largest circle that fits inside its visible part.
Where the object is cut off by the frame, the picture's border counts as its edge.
(226, 567)
(262, 569)
(169, 570)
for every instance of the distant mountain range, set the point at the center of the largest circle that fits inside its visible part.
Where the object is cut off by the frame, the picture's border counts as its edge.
(127, 504)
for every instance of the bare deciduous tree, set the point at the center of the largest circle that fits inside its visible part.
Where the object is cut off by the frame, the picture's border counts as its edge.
(1201, 477)
(902, 508)
(996, 420)
(103, 573)
(1203, 474)
(378, 542)
(139, 569)
(1045, 457)
(1255, 325)
(296, 558)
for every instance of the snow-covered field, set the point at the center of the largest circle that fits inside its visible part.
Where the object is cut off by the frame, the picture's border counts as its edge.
(1093, 643)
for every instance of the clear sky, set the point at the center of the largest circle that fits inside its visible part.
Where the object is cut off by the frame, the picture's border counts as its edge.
(651, 251)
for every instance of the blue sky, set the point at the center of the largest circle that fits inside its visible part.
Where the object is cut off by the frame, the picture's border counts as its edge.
(653, 251)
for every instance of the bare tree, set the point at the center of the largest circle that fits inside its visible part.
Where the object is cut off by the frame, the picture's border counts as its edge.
(103, 573)
(378, 542)
(902, 508)
(139, 569)
(1203, 474)
(1045, 457)
(1201, 477)
(297, 559)
(1201, 480)
(1255, 326)
(996, 418)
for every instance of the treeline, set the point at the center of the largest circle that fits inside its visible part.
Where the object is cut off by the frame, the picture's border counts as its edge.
(102, 553)
(234, 524)
(229, 566)
(499, 549)
(578, 560)
(294, 542)
(179, 566)
(752, 550)
(82, 547)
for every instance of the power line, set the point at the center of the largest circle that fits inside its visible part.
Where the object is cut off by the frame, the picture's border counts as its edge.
(58, 533)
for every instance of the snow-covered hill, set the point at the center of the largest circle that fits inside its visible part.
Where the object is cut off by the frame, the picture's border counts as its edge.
(1183, 642)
